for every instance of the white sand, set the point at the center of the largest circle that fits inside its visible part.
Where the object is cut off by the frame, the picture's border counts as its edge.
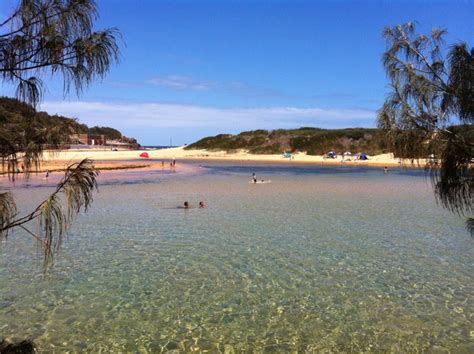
(180, 153)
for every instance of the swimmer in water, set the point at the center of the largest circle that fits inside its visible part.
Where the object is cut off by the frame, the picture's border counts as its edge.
(201, 204)
(186, 205)
(386, 170)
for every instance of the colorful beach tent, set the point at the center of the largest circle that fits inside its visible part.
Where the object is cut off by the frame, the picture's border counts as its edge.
(363, 156)
(144, 155)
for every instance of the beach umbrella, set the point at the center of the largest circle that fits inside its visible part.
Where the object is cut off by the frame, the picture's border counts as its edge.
(144, 155)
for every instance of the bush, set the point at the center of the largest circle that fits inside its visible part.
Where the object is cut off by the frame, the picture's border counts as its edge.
(314, 141)
(267, 149)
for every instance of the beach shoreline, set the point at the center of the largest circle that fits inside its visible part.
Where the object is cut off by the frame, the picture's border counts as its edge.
(180, 153)
(108, 160)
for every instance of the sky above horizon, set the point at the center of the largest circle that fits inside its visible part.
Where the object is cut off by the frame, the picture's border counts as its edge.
(191, 69)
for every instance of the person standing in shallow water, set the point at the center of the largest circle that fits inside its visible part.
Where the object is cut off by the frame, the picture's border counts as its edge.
(254, 178)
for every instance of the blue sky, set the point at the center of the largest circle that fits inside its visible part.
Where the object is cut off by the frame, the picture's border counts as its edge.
(195, 68)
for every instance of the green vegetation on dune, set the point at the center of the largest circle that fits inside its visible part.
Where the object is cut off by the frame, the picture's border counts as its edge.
(314, 141)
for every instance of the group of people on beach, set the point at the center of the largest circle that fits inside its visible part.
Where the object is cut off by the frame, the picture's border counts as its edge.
(172, 163)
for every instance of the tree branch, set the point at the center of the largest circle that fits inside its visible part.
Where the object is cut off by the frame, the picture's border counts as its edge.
(70, 175)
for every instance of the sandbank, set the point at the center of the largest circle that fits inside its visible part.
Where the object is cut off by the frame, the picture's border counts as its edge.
(124, 159)
(108, 160)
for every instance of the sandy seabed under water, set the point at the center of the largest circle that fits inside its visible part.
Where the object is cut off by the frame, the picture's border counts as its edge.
(322, 258)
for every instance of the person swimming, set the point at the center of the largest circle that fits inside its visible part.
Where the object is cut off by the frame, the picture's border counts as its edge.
(186, 205)
(201, 204)
(386, 170)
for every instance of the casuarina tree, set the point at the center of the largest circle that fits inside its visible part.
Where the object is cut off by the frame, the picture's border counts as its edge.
(429, 112)
(54, 38)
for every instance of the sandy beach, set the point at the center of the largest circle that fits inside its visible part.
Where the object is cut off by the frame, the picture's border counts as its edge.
(129, 159)
(108, 160)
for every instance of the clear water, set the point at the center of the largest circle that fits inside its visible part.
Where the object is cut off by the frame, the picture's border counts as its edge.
(321, 259)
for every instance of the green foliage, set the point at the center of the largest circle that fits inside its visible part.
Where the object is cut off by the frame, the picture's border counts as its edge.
(453, 181)
(24, 133)
(21, 125)
(54, 37)
(461, 82)
(254, 132)
(215, 142)
(427, 94)
(110, 133)
(314, 141)
(8, 212)
(55, 214)
(48, 37)
(274, 148)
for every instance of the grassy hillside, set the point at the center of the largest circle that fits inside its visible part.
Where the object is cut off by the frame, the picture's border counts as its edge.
(314, 141)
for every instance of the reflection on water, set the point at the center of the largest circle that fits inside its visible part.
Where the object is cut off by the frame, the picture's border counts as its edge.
(317, 260)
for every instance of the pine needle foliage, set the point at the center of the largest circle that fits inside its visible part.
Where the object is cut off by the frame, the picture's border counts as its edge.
(56, 213)
(432, 87)
(48, 37)
(54, 37)
(8, 212)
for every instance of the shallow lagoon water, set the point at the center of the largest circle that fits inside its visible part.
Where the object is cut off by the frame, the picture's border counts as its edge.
(322, 259)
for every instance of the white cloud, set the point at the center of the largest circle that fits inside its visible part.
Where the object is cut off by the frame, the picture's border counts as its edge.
(181, 83)
(188, 83)
(164, 115)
